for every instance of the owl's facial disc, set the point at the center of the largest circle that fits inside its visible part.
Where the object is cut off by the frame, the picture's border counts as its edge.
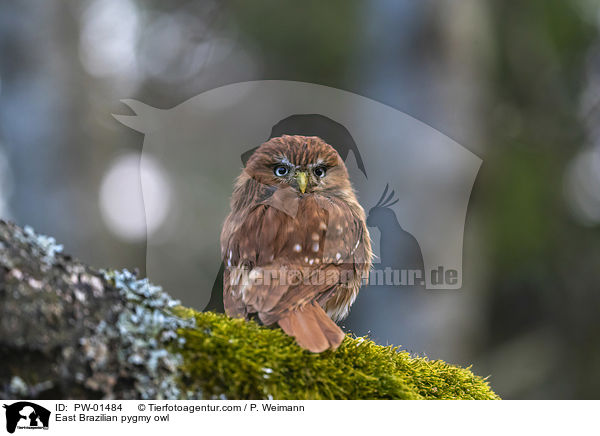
(306, 164)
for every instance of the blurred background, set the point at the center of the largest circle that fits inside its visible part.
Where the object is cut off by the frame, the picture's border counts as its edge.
(517, 83)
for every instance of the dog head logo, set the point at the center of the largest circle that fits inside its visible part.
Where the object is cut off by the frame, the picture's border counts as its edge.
(26, 415)
(413, 182)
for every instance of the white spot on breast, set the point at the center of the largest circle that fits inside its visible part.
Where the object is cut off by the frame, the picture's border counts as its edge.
(306, 259)
(310, 262)
(297, 248)
(338, 256)
(323, 226)
(254, 274)
(315, 247)
(315, 236)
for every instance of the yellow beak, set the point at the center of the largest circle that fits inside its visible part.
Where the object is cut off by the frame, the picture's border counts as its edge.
(302, 180)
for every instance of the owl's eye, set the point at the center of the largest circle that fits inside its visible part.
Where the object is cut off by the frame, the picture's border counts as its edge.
(281, 170)
(320, 172)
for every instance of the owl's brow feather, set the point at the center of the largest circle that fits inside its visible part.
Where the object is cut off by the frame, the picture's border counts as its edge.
(284, 160)
(319, 163)
(298, 151)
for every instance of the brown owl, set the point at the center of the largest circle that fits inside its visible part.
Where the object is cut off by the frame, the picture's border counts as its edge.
(295, 245)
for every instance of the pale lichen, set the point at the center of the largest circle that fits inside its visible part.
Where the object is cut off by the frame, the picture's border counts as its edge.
(147, 328)
(47, 246)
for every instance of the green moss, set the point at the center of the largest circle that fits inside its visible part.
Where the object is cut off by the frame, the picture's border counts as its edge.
(232, 358)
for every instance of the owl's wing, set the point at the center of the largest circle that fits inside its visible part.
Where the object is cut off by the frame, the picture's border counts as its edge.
(256, 258)
(348, 245)
(250, 241)
(347, 239)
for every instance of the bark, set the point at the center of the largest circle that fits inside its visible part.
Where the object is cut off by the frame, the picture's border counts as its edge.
(68, 330)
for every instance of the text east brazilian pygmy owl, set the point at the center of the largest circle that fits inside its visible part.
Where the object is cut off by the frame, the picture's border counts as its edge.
(295, 244)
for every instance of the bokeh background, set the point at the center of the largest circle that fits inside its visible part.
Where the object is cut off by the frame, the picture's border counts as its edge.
(517, 83)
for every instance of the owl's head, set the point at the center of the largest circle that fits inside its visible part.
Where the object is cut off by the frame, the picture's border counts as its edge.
(305, 163)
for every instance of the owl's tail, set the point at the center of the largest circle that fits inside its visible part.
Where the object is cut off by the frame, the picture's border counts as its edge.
(312, 328)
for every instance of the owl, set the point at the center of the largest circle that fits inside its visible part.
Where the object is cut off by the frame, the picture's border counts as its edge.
(295, 245)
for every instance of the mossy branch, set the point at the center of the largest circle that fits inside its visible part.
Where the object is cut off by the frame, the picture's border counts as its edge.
(70, 331)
